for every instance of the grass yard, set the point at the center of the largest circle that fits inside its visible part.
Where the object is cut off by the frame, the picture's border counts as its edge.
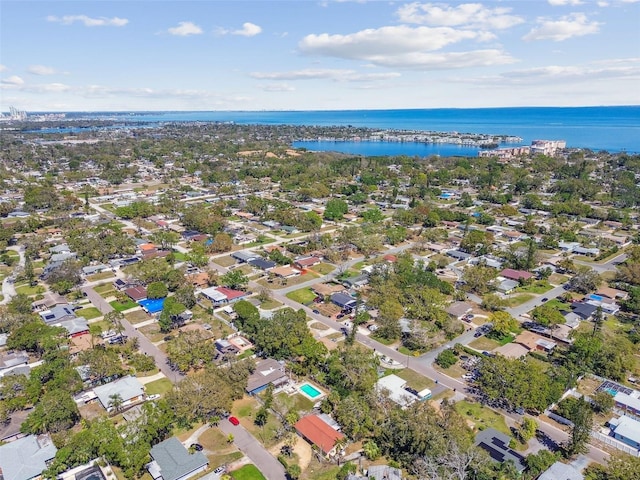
(384, 341)
(320, 471)
(245, 409)
(558, 304)
(519, 299)
(161, 387)
(323, 268)
(318, 326)
(180, 257)
(484, 343)
(247, 472)
(152, 332)
(297, 402)
(557, 279)
(105, 290)
(89, 313)
(137, 317)
(539, 287)
(225, 261)
(213, 440)
(414, 379)
(121, 307)
(303, 296)
(455, 370)
(101, 276)
(270, 305)
(27, 289)
(481, 417)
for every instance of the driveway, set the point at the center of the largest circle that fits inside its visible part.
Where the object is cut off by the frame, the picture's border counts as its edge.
(271, 468)
(8, 288)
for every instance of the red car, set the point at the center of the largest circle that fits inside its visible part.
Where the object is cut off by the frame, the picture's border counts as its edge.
(234, 421)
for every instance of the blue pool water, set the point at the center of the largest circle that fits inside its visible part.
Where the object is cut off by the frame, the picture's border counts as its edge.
(154, 305)
(310, 390)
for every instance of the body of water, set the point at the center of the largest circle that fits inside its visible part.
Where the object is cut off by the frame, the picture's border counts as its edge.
(598, 128)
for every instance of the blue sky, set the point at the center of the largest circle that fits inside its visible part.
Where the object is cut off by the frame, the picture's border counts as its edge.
(328, 54)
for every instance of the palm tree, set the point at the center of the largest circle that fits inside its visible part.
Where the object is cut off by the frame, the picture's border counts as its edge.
(115, 402)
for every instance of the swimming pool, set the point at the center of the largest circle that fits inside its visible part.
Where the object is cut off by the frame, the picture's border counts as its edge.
(152, 305)
(310, 391)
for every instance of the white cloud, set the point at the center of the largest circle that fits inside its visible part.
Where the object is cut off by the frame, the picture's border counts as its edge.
(48, 88)
(3, 68)
(465, 15)
(89, 21)
(337, 75)
(574, 25)
(560, 3)
(41, 70)
(13, 80)
(248, 30)
(278, 87)
(405, 47)
(185, 29)
(602, 4)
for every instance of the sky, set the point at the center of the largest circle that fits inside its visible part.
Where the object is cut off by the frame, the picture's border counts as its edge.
(317, 55)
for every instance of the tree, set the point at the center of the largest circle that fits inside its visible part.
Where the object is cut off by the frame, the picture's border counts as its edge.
(582, 417)
(547, 316)
(157, 290)
(527, 429)
(585, 280)
(373, 215)
(479, 279)
(335, 209)
(446, 358)
(36, 337)
(171, 311)
(492, 302)
(371, 450)
(65, 277)
(293, 471)
(602, 402)
(115, 402)
(389, 315)
(55, 412)
(503, 323)
(539, 462)
(476, 241)
(222, 242)
(235, 279)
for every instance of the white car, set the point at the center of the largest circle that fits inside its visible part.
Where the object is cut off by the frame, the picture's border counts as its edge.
(155, 396)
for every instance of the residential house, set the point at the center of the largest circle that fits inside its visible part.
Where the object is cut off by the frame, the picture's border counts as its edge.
(507, 286)
(534, 342)
(128, 388)
(307, 262)
(627, 430)
(317, 432)
(267, 372)
(561, 471)
(459, 309)
(584, 310)
(93, 269)
(136, 293)
(222, 295)
(343, 300)
(62, 248)
(394, 387)
(384, 472)
(285, 272)
(27, 457)
(172, 461)
(497, 445)
(10, 361)
(517, 275)
(262, 263)
(243, 256)
(58, 314)
(459, 255)
(356, 282)
(324, 289)
(75, 326)
(628, 402)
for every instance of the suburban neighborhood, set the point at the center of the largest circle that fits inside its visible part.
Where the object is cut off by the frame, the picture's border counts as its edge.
(206, 301)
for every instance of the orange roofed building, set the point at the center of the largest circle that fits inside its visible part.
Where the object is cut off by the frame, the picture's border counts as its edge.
(319, 433)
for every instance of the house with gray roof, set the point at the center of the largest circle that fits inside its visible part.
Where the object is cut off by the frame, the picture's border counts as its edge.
(58, 314)
(172, 461)
(26, 457)
(561, 471)
(129, 388)
(497, 445)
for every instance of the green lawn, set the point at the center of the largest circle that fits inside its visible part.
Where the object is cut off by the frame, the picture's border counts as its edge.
(414, 379)
(484, 343)
(161, 387)
(270, 305)
(101, 276)
(179, 256)
(538, 287)
(121, 307)
(384, 341)
(297, 402)
(89, 313)
(304, 295)
(27, 289)
(323, 268)
(558, 304)
(105, 290)
(502, 340)
(519, 299)
(482, 417)
(248, 472)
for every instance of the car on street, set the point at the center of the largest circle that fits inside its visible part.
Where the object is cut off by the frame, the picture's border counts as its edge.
(234, 421)
(196, 446)
(545, 299)
(221, 469)
(340, 315)
(316, 311)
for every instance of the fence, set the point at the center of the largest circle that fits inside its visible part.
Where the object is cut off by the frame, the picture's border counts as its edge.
(615, 443)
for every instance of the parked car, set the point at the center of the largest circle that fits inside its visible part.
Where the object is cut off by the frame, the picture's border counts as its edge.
(372, 328)
(316, 311)
(340, 315)
(221, 469)
(234, 421)
(196, 446)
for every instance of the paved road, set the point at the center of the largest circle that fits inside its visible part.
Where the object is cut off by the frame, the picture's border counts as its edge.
(8, 287)
(252, 448)
(531, 304)
(144, 343)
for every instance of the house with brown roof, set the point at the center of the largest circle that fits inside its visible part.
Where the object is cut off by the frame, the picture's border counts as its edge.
(285, 271)
(136, 293)
(307, 262)
(313, 429)
(516, 275)
(198, 280)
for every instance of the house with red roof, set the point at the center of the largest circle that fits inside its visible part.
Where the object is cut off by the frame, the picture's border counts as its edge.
(136, 293)
(222, 295)
(307, 262)
(317, 432)
(516, 275)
